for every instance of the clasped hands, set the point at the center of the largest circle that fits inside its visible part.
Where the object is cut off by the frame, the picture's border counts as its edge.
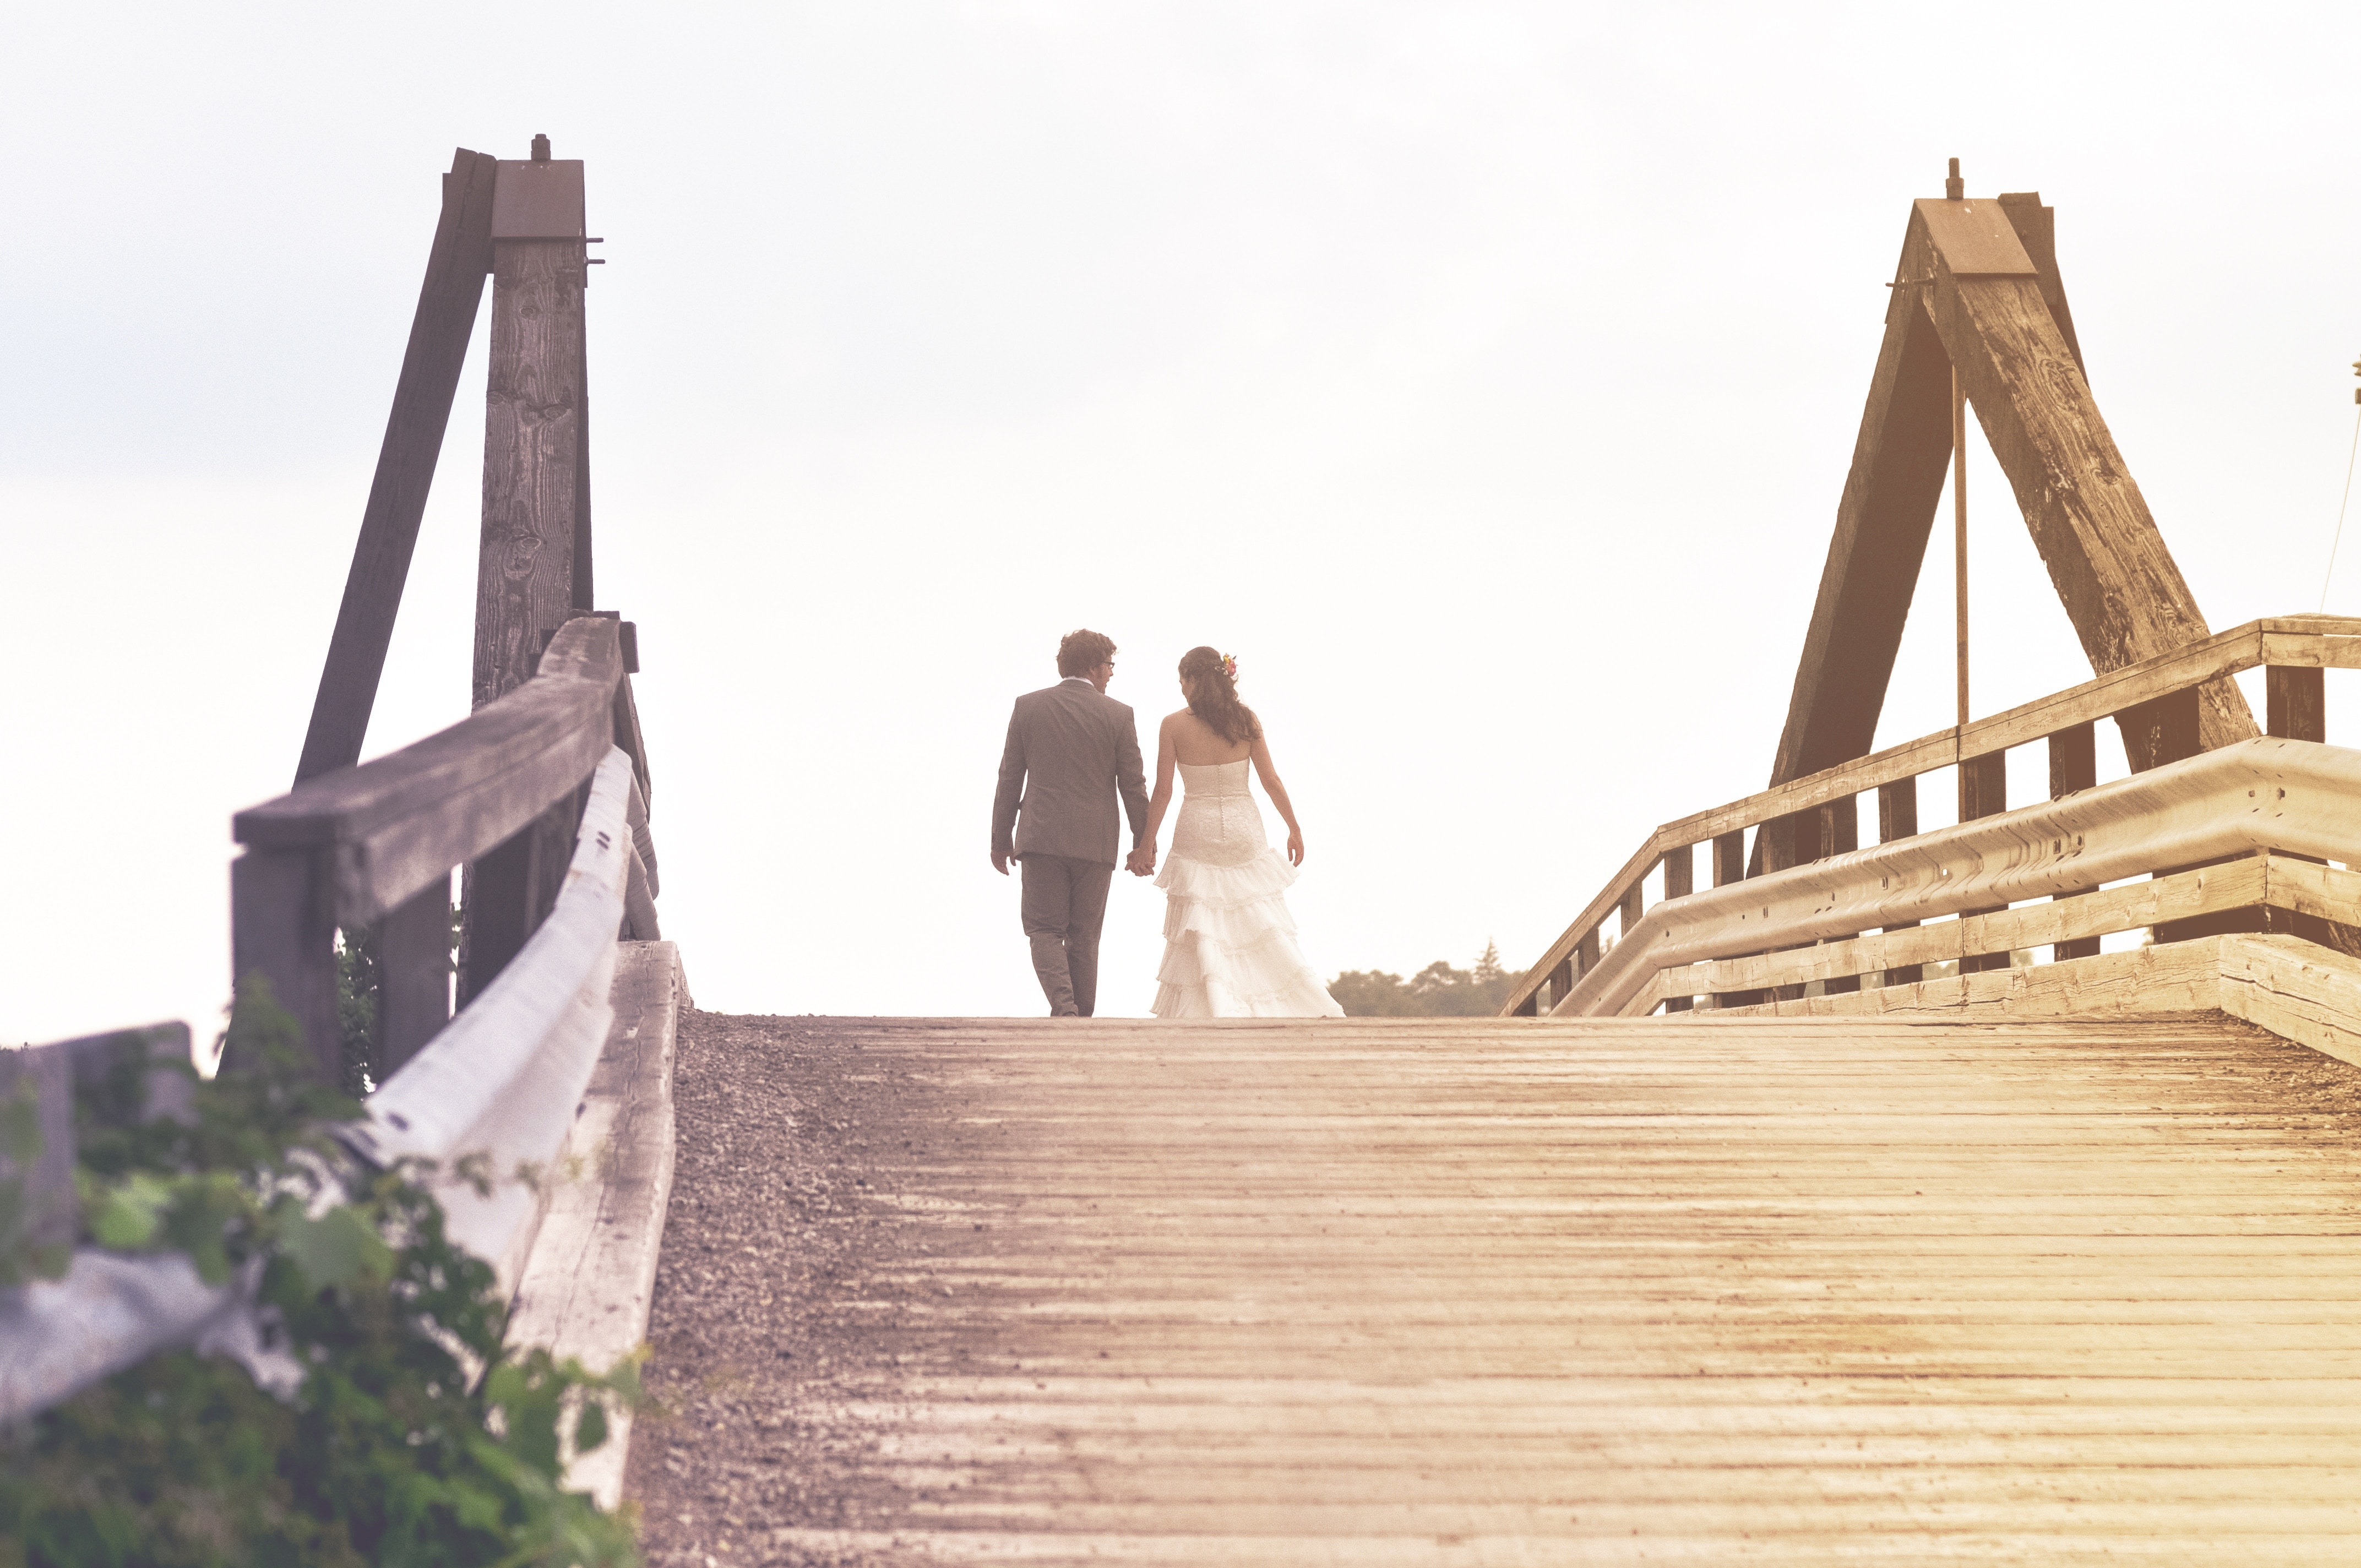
(1141, 861)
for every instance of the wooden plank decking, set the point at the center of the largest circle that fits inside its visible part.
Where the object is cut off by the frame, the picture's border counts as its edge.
(1406, 1292)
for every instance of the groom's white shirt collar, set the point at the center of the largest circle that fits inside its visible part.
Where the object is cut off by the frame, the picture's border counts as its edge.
(1077, 681)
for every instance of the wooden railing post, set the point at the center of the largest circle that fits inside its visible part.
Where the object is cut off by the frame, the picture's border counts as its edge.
(2295, 702)
(2073, 766)
(1729, 857)
(283, 929)
(2162, 729)
(1680, 881)
(1984, 792)
(1560, 983)
(1897, 817)
(414, 966)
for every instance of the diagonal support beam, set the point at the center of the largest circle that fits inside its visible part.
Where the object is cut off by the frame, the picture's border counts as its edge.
(1978, 284)
(1882, 520)
(447, 303)
(2120, 588)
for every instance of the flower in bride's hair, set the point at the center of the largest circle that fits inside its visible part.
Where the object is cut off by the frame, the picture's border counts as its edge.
(1230, 665)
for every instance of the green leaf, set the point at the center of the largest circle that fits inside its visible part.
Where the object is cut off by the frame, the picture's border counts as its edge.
(590, 1429)
(337, 1248)
(129, 1213)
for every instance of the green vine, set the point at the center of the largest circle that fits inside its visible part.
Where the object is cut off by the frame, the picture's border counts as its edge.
(393, 1450)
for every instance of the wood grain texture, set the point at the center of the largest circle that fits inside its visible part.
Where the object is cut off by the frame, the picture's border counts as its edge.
(524, 581)
(1884, 516)
(1460, 1292)
(2106, 558)
(393, 825)
(448, 301)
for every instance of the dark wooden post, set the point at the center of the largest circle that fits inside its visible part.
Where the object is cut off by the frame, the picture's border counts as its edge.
(1561, 982)
(2162, 730)
(414, 965)
(1680, 881)
(1984, 792)
(1897, 817)
(535, 511)
(1839, 834)
(282, 927)
(2073, 766)
(2295, 702)
(1730, 866)
(1729, 857)
(447, 305)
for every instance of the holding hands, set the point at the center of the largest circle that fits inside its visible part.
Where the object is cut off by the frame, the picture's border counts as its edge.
(1141, 861)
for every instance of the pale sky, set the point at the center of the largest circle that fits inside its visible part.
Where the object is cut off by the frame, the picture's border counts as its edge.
(1484, 375)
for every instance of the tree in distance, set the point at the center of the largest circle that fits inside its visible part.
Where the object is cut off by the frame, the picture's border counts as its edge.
(1438, 991)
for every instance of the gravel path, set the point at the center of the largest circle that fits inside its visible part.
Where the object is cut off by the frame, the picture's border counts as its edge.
(756, 1352)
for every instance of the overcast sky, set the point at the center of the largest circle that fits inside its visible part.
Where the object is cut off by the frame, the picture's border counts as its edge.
(1483, 376)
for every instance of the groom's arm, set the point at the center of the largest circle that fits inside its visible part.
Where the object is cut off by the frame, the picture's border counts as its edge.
(1131, 778)
(1005, 800)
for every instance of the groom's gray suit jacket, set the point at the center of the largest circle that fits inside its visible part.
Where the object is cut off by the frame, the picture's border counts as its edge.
(1071, 749)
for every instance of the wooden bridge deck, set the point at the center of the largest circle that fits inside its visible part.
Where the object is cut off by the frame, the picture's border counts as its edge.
(1410, 1292)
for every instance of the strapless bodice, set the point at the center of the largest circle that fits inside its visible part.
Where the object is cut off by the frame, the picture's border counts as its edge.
(1219, 823)
(1213, 778)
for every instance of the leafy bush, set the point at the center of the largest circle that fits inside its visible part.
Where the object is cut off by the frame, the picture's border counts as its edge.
(1438, 991)
(393, 1450)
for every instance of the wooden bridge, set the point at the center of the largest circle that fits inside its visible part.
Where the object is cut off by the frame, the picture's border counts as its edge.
(1981, 1192)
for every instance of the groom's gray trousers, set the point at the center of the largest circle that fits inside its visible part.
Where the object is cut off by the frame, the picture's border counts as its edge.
(1065, 903)
(1072, 753)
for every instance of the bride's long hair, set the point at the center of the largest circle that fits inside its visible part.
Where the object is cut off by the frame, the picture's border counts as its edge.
(1214, 697)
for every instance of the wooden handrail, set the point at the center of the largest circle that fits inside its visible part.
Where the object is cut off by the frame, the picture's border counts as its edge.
(2250, 798)
(374, 845)
(2313, 642)
(399, 821)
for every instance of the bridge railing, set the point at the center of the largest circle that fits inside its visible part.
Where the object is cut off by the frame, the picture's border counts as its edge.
(373, 846)
(1814, 822)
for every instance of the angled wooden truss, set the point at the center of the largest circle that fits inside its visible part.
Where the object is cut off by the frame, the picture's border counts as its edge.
(1978, 286)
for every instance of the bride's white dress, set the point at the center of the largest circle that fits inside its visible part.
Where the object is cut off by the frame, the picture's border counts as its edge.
(1229, 943)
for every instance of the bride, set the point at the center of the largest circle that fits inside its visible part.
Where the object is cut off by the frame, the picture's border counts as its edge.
(1229, 946)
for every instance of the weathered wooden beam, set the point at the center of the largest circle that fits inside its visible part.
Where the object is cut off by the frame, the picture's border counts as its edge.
(447, 304)
(2037, 230)
(1882, 519)
(397, 822)
(535, 511)
(2118, 582)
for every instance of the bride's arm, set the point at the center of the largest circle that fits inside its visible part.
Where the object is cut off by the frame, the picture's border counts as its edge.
(1265, 772)
(1158, 803)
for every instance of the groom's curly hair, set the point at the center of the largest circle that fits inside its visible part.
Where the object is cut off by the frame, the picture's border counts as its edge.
(1079, 652)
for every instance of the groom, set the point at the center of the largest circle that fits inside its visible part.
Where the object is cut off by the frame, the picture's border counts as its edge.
(1071, 749)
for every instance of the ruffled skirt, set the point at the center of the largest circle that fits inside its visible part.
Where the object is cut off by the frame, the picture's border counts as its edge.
(1229, 944)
